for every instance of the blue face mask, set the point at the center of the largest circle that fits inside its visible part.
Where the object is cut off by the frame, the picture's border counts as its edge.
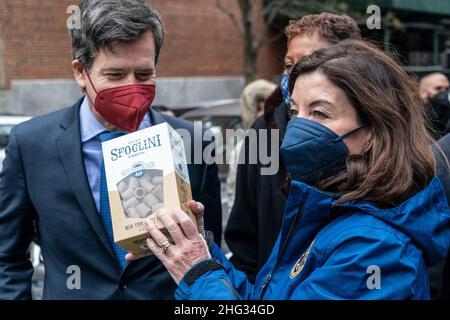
(312, 152)
(285, 89)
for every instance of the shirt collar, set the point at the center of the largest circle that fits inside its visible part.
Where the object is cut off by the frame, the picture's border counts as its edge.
(90, 127)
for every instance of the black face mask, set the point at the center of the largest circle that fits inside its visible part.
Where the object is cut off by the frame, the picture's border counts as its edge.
(438, 111)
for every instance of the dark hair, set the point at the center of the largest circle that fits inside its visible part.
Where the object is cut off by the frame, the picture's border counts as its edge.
(396, 160)
(104, 22)
(329, 26)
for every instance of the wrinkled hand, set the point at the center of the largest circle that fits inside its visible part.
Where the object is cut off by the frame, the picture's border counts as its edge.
(197, 209)
(189, 248)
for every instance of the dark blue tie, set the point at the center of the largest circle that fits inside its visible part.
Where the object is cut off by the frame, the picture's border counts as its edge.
(105, 212)
(285, 89)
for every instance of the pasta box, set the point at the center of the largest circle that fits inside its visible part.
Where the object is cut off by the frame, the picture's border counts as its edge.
(145, 170)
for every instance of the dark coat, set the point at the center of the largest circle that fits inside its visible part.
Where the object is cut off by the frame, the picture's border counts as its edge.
(440, 274)
(45, 195)
(256, 217)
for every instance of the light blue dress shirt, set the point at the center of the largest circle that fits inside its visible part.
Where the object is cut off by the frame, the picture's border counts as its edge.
(92, 148)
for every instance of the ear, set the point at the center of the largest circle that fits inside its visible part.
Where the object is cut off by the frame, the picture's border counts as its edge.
(78, 73)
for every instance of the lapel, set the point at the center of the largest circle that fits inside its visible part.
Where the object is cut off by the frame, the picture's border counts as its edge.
(156, 118)
(70, 151)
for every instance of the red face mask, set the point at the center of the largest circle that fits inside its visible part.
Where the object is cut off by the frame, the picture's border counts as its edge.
(124, 106)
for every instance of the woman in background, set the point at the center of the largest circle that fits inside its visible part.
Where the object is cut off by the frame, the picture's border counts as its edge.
(252, 102)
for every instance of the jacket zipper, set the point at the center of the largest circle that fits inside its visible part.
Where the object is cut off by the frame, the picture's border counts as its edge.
(230, 287)
(280, 255)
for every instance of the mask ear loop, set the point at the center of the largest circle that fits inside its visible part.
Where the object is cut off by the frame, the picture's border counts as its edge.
(92, 84)
(350, 132)
(90, 80)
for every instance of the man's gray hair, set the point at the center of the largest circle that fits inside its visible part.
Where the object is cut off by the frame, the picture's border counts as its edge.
(104, 22)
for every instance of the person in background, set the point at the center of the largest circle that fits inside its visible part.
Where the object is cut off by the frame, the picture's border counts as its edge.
(252, 102)
(366, 213)
(431, 84)
(257, 213)
(434, 92)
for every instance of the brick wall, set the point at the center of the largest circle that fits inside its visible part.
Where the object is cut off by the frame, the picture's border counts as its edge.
(35, 39)
(201, 41)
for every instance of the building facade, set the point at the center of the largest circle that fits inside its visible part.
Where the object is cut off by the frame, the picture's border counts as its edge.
(202, 59)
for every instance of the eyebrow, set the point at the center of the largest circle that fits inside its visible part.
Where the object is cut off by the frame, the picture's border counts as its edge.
(321, 101)
(151, 70)
(292, 100)
(315, 102)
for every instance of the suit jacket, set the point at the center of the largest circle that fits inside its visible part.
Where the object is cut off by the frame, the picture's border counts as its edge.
(45, 195)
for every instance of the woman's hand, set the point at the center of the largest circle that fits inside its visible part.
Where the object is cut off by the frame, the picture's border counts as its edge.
(197, 209)
(188, 249)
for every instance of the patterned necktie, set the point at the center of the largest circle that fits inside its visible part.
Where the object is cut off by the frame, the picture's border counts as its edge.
(105, 212)
(285, 89)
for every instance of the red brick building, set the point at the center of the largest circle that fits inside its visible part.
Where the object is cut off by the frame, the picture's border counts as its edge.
(202, 46)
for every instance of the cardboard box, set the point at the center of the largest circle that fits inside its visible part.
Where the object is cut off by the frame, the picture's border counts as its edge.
(145, 171)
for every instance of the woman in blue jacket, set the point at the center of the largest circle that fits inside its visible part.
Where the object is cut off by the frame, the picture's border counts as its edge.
(365, 214)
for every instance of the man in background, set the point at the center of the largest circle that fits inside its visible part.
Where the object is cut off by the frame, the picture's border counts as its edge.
(431, 84)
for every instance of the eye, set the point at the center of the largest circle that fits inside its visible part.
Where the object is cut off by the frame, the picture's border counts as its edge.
(114, 76)
(144, 76)
(292, 112)
(288, 67)
(319, 115)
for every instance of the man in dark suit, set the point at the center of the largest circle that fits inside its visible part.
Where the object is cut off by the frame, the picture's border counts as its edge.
(50, 185)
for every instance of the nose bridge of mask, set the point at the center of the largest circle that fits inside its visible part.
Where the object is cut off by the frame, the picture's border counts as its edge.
(313, 128)
(305, 133)
(136, 95)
